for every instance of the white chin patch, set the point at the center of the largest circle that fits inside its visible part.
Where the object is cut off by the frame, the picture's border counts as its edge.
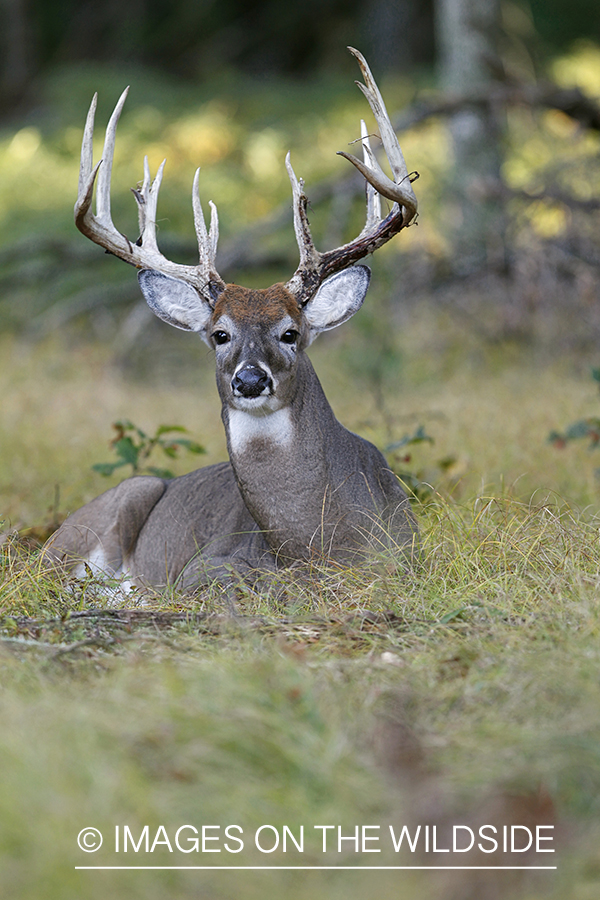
(246, 426)
(261, 405)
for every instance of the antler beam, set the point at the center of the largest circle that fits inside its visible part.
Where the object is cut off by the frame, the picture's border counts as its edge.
(314, 267)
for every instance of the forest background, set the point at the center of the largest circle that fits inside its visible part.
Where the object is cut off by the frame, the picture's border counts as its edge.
(465, 690)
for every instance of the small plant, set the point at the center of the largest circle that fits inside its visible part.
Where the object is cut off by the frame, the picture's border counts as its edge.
(419, 437)
(133, 447)
(420, 481)
(588, 428)
(399, 459)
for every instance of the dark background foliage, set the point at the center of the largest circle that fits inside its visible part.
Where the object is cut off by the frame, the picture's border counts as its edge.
(197, 38)
(280, 72)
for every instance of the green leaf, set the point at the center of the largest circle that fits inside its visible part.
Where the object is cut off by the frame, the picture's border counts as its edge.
(190, 446)
(159, 473)
(134, 453)
(124, 425)
(106, 469)
(455, 614)
(127, 450)
(165, 429)
(418, 437)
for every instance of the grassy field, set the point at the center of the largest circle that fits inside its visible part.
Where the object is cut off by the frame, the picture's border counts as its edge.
(463, 692)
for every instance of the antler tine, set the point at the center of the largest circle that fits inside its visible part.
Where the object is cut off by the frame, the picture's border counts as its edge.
(207, 240)
(141, 197)
(148, 234)
(87, 147)
(213, 232)
(104, 175)
(309, 255)
(87, 170)
(306, 278)
(199, 222)
(373, 197)
(399, 190)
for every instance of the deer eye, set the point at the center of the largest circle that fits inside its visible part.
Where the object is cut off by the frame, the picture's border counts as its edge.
(289, 337)
(220, 337)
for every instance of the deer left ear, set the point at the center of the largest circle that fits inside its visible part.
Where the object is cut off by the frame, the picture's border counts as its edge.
(175, 301)
(338, 298)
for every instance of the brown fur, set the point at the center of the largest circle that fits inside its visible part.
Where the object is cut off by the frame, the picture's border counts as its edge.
(245, 305)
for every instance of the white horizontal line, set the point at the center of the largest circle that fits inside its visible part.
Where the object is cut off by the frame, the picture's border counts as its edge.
(329, 868)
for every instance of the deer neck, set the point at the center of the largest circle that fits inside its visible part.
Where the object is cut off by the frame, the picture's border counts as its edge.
(281, 462)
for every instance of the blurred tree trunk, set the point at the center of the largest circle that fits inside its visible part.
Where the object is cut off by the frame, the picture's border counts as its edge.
(16, 51)
(398, 33)
(466, 33)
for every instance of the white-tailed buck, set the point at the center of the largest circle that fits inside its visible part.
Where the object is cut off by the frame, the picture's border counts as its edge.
(299, 486)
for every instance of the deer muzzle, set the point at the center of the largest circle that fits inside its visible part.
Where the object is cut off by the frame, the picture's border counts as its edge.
(251, 381)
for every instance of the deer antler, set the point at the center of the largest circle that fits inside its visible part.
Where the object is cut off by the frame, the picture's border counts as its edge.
(144, 253)
(314, 267)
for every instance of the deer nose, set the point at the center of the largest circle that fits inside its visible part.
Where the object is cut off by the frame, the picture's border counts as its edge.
(250, 381)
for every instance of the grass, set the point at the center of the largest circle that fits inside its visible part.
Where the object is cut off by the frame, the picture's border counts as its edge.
(464, 690)
(487, 655)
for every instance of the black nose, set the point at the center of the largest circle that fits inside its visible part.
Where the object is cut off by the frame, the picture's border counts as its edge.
(250, 381)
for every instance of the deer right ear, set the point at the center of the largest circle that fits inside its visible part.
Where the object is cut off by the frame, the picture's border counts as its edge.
(338, 298)
(175, 301)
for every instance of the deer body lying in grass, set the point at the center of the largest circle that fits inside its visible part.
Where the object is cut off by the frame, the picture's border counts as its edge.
(299, 487)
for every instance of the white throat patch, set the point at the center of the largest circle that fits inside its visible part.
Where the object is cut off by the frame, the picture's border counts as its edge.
(245, 427)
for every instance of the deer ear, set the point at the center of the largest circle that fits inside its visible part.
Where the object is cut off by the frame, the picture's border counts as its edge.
(338, 298)
(175, 301)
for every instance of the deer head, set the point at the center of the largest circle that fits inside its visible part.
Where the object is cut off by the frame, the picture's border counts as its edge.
(320, 295)
(256, 334)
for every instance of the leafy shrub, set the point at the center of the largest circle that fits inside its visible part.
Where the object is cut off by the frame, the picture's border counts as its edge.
(588, 428)
(133, 447)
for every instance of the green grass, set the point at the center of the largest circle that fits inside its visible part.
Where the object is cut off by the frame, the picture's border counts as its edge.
(487, 654)
(465, 688)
